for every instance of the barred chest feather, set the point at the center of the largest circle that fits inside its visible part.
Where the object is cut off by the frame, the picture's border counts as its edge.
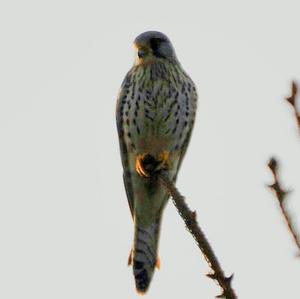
(157, 106)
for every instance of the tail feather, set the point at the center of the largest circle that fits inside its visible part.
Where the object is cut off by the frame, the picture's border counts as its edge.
(145, 254)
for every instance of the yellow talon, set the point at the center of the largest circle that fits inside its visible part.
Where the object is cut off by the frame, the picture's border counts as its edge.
(164, 161)
(146, 164)
(139, 166)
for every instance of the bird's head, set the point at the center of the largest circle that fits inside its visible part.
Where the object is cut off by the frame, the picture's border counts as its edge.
(153, 45)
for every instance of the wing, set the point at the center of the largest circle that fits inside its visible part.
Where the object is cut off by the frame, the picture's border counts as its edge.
(122, 98)
(191, 95)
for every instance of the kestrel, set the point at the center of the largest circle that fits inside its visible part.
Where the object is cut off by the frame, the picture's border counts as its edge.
(155, 116)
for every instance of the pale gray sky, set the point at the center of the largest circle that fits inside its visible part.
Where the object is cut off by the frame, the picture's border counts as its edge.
(65, 226)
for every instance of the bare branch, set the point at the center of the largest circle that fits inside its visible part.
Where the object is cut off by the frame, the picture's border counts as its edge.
(281, 195)
(189, 218)
(292, 100)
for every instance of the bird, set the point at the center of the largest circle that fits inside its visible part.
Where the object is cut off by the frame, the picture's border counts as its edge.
(155, 115)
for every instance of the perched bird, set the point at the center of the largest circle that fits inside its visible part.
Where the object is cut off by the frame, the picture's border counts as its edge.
(155, 115)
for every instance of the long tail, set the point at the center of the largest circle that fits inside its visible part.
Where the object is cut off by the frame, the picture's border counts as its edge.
(145, 254)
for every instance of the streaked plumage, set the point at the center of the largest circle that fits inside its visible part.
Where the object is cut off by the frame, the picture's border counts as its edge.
(155, 115)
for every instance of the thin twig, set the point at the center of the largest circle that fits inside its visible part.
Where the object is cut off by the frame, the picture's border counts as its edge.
(189, 218)
(281, 195)
(292, 100)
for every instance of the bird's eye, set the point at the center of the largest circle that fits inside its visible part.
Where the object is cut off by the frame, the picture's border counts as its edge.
(141, 53)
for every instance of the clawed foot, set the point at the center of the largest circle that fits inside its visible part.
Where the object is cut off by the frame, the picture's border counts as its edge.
(146, 164)
(164, 161)
(140, 167)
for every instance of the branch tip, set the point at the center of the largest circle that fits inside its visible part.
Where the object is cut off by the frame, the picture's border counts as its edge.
(281, 195)
(292, 101)
(189, 218)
